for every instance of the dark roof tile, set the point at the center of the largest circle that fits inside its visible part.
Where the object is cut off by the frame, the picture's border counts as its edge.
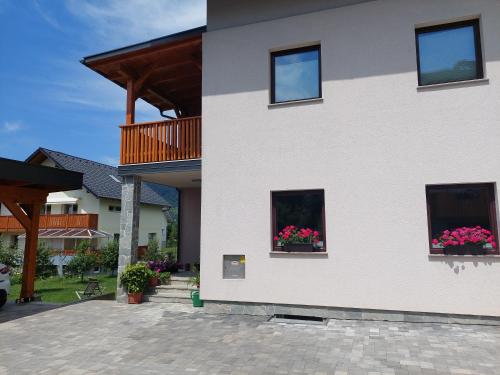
(103, 181)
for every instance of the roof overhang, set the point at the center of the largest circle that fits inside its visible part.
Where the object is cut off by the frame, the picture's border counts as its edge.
(167, 70)
(21, 175)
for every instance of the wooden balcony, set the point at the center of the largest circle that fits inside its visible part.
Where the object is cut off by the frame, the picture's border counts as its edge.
(84, 221)
(178, 139)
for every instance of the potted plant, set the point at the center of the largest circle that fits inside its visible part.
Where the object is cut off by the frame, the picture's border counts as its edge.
(154, 280)
(163, 266)
(195, 280)
(135, 279)
(295, 239)
(164, 278)
(465, 240)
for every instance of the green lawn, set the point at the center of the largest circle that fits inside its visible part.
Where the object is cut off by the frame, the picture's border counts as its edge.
(62, 290)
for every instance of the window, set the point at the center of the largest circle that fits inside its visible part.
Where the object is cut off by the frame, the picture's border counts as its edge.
(461, 206)
(303, 210)
(114, 208)
(45, 209)
(449, 53)
(116, 237)
(151, 236)
(296, 74)
(70, 209)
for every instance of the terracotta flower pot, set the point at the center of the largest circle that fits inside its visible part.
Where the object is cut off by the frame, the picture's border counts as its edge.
(154, 281)
(135, 298)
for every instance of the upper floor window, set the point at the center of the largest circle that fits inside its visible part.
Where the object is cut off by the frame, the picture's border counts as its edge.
(462, 218)
(296, 74)
(449, 53)
(71, 209)
(45, 209)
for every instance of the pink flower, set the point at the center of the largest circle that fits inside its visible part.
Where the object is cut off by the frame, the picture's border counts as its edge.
(435, 242)
(276, 238)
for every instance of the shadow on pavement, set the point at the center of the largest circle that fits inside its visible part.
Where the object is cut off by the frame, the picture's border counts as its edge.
(12, 311)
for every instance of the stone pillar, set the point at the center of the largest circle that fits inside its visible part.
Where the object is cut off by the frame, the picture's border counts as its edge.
(129, 227)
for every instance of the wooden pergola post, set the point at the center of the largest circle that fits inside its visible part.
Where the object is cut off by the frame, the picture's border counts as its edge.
(30, 252)
(29, 216)
(24, 188)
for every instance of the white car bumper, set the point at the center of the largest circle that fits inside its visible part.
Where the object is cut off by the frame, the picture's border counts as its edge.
(5, 285)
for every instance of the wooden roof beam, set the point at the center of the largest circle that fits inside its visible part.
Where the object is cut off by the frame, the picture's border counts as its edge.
(22, 194)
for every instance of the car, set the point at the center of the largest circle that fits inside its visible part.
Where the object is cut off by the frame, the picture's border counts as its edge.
(4, 283)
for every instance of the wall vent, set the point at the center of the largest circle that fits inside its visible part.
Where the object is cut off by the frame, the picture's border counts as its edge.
(298, 319)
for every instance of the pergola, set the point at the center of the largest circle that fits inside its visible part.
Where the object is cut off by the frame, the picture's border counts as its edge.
(23, 190)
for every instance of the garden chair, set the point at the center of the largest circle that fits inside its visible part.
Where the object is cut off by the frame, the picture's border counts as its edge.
(93, 288)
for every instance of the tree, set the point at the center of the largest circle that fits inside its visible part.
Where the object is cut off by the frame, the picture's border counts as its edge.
(153, 251)
(9, 255)
(44, 265)
(83, 261)
(109, 256)
(172, 234)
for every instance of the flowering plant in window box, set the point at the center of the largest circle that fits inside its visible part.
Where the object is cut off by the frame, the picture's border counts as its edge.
(465, 240)
(295, 239)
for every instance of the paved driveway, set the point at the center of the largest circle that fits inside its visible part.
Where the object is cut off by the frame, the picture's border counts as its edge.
(103, 337)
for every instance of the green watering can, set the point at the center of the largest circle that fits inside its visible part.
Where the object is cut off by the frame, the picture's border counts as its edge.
(195, 297)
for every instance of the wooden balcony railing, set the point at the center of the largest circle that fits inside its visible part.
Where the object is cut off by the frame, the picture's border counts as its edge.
(85, 221)
(178, 139)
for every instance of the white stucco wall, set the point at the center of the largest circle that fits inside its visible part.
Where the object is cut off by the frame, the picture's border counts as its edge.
(151, 220)
(372, 145)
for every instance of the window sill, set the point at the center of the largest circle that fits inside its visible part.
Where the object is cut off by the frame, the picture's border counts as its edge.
(295, 102)
(471, 82)
(463, 256)
(311, 253)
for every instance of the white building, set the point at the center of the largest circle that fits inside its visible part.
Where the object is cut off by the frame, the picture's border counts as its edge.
(368, 121)
(91, 213)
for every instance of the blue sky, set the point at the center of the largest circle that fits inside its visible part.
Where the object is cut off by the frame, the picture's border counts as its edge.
(49, 99)
(443, 49)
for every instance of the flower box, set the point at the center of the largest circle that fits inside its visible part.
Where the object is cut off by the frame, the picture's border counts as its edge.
(293, 239)
(298, 247)
(466, 249)
(465, 240)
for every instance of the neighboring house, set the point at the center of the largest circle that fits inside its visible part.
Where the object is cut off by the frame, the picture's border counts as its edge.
(371, 122)
(91, 213)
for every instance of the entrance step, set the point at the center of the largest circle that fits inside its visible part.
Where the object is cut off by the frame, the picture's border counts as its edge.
(177, 291)
(163, 299)
(176, 287)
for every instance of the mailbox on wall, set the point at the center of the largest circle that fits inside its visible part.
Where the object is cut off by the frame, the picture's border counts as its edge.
(233, 267)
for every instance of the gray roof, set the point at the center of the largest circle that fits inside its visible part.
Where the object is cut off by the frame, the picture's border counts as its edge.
(102, 180)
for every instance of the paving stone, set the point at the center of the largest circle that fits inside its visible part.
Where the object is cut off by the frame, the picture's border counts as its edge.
(104, 337)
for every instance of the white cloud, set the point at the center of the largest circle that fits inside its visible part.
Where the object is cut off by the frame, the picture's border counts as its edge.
(111, 24)
(118, 22)
(46, 15)
(11, 126)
